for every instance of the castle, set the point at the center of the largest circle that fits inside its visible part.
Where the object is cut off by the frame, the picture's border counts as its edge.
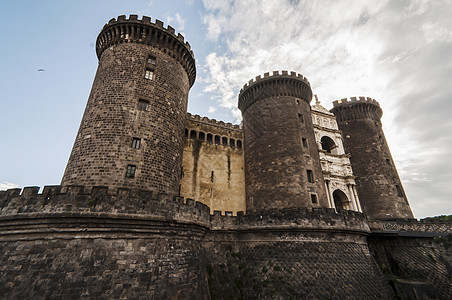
(296, 203)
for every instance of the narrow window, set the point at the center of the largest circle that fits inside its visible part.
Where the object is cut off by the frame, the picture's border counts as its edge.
(314, 198)
(151, 60)
(211, 176)
(305, 142)
(232, 142)
(388, 161)
(300, 116)
(201, 136)
(211, 193)
(136, 143)
(399, 191)
(130, 172)
(310, 176)
(239, 144)
(192, 135)
(149, 74)
(224, 141)
(217, 139)
(209, 138)
(186, 132)
(143, 104)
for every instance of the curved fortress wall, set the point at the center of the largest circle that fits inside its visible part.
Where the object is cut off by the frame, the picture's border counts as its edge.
(282, 166)
(131, 134)
(378, 184)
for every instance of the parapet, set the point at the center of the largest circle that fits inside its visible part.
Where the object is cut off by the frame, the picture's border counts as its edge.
(277, 84)
(205, 120)
(357, 108)
(134, 30)
(292, 219)
(101, 200)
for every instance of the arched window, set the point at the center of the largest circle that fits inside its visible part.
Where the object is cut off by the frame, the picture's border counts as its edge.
(209, 138)
(224, 141)
(193, 135)
(328, 145)
(239, 144)
(202, 136)
(186, 132)
(232, 142)
(340, 200)
(217, 139)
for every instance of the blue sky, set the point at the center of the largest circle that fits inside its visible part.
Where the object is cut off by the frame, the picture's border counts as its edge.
(398, 52)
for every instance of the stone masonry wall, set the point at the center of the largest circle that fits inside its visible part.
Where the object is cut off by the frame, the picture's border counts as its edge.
(94, 244)
(213, 166)
(292, 254)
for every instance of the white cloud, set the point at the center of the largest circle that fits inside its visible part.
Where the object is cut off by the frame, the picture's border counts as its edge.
(211, 109)
(178, 23)
(7, 185)
(397, 52)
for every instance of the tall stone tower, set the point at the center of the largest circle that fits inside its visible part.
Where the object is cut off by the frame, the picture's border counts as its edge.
(131, 134)
(379, 187)
(282, 166)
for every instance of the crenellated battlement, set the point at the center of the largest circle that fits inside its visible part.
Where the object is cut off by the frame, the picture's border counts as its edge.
(205, 120)
(100, 199)
(277, 84)
(353, 100)
(275, 74)
(144, 31)
(293, 218)
(356, 108)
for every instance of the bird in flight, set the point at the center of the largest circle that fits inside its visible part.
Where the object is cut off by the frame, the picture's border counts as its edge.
(41, 70)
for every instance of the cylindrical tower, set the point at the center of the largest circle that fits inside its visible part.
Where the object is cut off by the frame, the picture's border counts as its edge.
(379, 187)
(131, 134)
(282, 165)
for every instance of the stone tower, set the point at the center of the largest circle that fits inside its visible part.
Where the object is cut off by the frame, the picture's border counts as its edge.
(282, 166)
(131, 134)
(378, 184)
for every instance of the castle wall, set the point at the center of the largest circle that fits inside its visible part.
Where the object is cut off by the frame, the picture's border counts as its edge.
(92, 244)
(213, 166)
(104, 151)
(292, 254)
(379, 187)
(282, 166)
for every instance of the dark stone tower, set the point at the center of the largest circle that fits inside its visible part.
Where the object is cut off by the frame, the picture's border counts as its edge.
(282, 166)
(379, 187)
(131, 134)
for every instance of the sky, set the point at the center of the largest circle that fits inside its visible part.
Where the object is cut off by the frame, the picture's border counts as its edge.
(397, 52)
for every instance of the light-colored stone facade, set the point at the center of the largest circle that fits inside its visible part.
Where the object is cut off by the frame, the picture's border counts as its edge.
(337, 171)
(213, 165)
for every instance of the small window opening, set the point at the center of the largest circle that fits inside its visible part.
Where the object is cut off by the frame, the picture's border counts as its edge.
(217, 139)
(209, 138)
(310, 176)
(149, 74)
(186, 132)
(399, 191)
(298, 101)
(193, 135)
(305, 142)
(130, 172)
(136, 143)
(201, 136)
(211, 176)
(388, 161)
(239, 144)
(224, 141)
(211, 193)
(143, 104)
(151, 60)
(300, 116)
(232, 142)
(314, 198)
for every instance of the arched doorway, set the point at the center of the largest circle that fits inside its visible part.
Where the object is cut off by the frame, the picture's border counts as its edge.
(340, 200)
